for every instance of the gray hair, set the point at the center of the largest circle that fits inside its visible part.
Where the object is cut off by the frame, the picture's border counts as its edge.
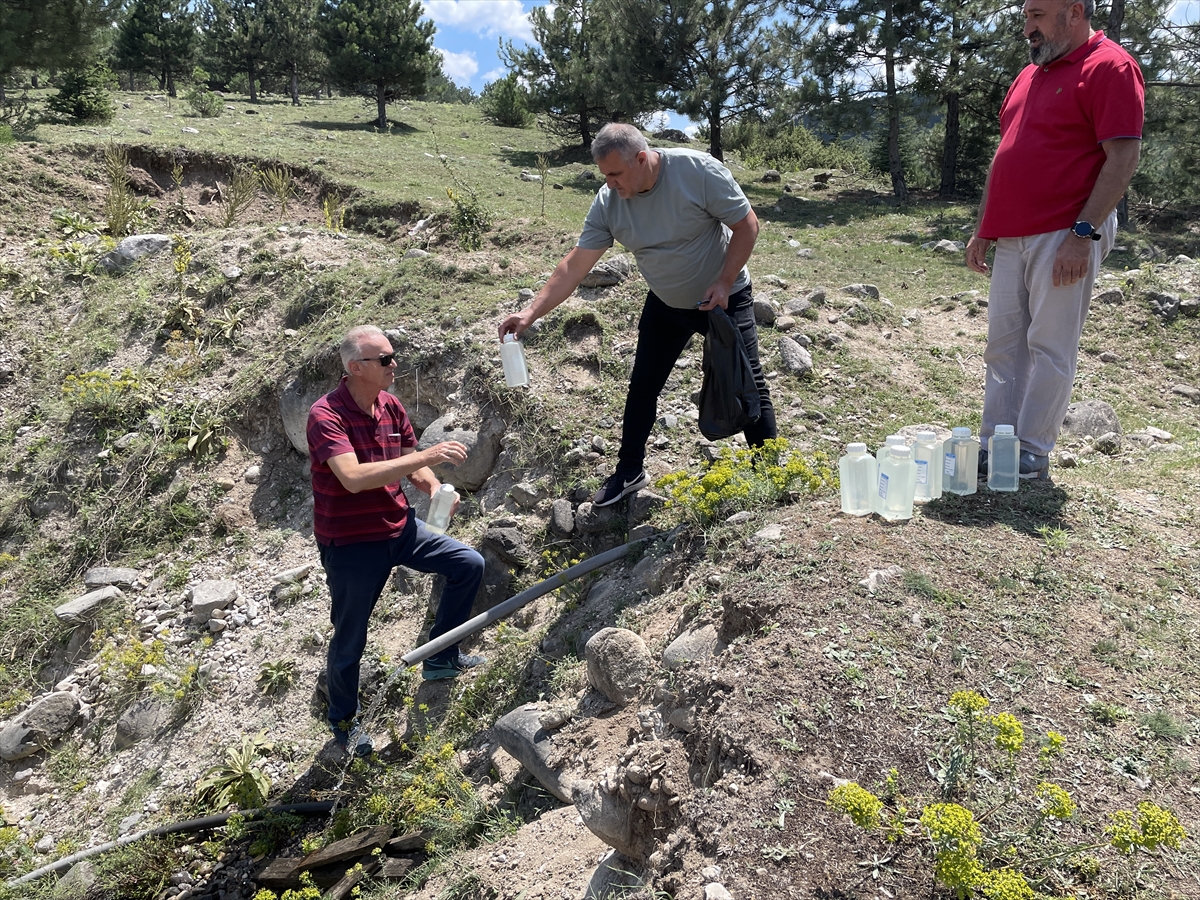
(351, 346)
(620, 138)
(1089, 9)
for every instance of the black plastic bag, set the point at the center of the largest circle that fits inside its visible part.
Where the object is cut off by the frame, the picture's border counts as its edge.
(729, 398)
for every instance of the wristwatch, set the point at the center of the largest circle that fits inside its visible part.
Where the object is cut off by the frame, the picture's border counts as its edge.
(1085, 230)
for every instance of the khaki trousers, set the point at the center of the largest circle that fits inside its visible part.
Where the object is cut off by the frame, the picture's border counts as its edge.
(1033, 336)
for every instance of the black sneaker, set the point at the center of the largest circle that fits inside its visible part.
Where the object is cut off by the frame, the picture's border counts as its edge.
(439, 670)
(1034, 467)
(618, 486)
(353, 739)
(983, 455)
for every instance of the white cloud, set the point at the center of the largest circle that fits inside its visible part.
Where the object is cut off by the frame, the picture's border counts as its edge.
(494, 75)
(459, 67)
(691, 131)
(491, 18)
(1185, 12)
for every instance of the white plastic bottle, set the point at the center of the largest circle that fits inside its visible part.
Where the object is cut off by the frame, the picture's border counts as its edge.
(858, 473)
(1004, 459)
(512, 357)
(960, 469)
(927, 454)
(897, 479)
(440, 506)
(892, 440)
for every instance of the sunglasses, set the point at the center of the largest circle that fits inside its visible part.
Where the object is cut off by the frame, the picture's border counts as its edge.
(385, 360)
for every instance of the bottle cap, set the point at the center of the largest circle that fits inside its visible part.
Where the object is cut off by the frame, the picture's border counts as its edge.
(509, 338)
(961, 432)
(893, 439)
(856, 448)
(447, 486)
(899, 452)
(1004, 429)
(926, 437)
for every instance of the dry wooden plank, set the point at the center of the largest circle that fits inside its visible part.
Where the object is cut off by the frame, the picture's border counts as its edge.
(368, 865)
(406, 843)
(279, 873)
(348, 848)
(397, 867)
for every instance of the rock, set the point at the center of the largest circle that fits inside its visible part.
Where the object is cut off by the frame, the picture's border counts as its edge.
(293, 576)
(525, 494)
(1163, 305)
(521, 734)
(483, 448)
(208, 596)
(295, 400)
(45, 845)
(668, 421)
(509, 545)
(618, 664)
(769, 533)
(795, 359)
(231, 273)
(1109, 357)
(690, 647)
(189, 130)
(1109, 444)
(143, 182)
(876, 578)
(608, 272)
(527, 176)
(416, 253)
(81, 609)
(1190, 307)
(39, 726)
(253, 475)
(944, 246)
(785, 323)
(1186, 390)
(657, 573)
(859, 290)
(643, 505)
(143, 719)
(592, 519)
(1067, 460)
(1158, 434)
(764, 311)
(133, 248)
(771, 176)
(1091, 417)
(78, 881)
(99, 576)
(672, 134)
(1110, 296)
(617, 821)
(562, 517)
(715, 891)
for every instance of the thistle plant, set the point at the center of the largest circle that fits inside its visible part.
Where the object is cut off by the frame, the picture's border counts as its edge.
(181, 258)
(243, 185)
(278, 183)
(1025, 844)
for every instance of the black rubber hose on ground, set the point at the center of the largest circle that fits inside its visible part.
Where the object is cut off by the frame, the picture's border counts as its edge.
(321, 807)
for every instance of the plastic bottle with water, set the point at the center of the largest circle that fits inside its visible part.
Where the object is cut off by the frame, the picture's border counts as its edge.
(1004, 459)
(897, 481)
(960, 465)
(927, 454)
(441, 504)
(858, 473)
(512, 357)
(892, 440)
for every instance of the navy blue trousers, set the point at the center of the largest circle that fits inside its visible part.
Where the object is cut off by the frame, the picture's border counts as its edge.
(357, 575)
(663, 332)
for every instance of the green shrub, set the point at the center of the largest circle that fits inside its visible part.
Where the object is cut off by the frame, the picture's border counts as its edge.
(790, 149)
(505, 102)
(6, 136)
(204, 102)
(83, 96)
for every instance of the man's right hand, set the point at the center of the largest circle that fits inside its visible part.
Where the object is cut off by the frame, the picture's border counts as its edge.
(451, 452)
(977, 249)
(517, 323)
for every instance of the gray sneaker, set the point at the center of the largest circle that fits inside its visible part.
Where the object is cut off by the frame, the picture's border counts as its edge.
(1033, 467)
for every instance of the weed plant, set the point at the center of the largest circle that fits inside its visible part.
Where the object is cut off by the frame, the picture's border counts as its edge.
(239, 194)
(277, 181)
(239, 780)
(469, 217)
(742, 479)
(1034, 837)
(123, 212)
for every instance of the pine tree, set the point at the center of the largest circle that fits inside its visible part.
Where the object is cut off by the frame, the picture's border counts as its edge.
(157, 37)
(50, 33)
(379, 49)
(292, 32)
(235, 38)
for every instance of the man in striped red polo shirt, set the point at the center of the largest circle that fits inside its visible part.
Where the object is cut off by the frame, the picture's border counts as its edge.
(361, 444)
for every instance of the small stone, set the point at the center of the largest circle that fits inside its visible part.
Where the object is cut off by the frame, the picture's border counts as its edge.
(216, 626)
(715, 891)
(769, 533)
(668, 421)
(1109, 357)
(1158, 434)
(253, 475)
(1186, 390)
(190, 130)
(1067, 460)
(416, 253)
(45, 845)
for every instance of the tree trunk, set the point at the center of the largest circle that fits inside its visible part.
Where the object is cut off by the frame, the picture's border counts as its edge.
(950, 147)
(33, 79)
(3, 96)
(895, 163)
(381, 104)
(250, 74)
(295, 84)
(328, 90)
(171, 84)
(715, 150)
(585, 130)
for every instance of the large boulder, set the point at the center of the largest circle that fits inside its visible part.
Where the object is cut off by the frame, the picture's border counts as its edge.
(691, 647)
(1162, 304)
(608, 272)
(795, 358)
(618, 664)
(483, 448)
(295, 401)
(209, 596)
(1094, 417)
(144, 718)
(39, 726)
(79, 610)
(133, 248)
(102, 576)
(521, 734)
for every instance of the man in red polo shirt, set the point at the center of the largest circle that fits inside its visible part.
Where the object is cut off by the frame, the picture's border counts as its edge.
(1070, 136)
(361, 444)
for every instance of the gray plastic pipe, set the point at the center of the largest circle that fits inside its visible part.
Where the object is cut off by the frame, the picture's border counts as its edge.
(307, 809)
(500, 610)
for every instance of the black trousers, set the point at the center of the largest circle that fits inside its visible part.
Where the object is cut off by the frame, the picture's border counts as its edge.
(663, 332)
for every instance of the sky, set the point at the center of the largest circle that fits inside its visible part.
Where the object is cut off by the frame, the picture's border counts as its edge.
(468, 37)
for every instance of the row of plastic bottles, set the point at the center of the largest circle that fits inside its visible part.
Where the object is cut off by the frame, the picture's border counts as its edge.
(898, 476)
